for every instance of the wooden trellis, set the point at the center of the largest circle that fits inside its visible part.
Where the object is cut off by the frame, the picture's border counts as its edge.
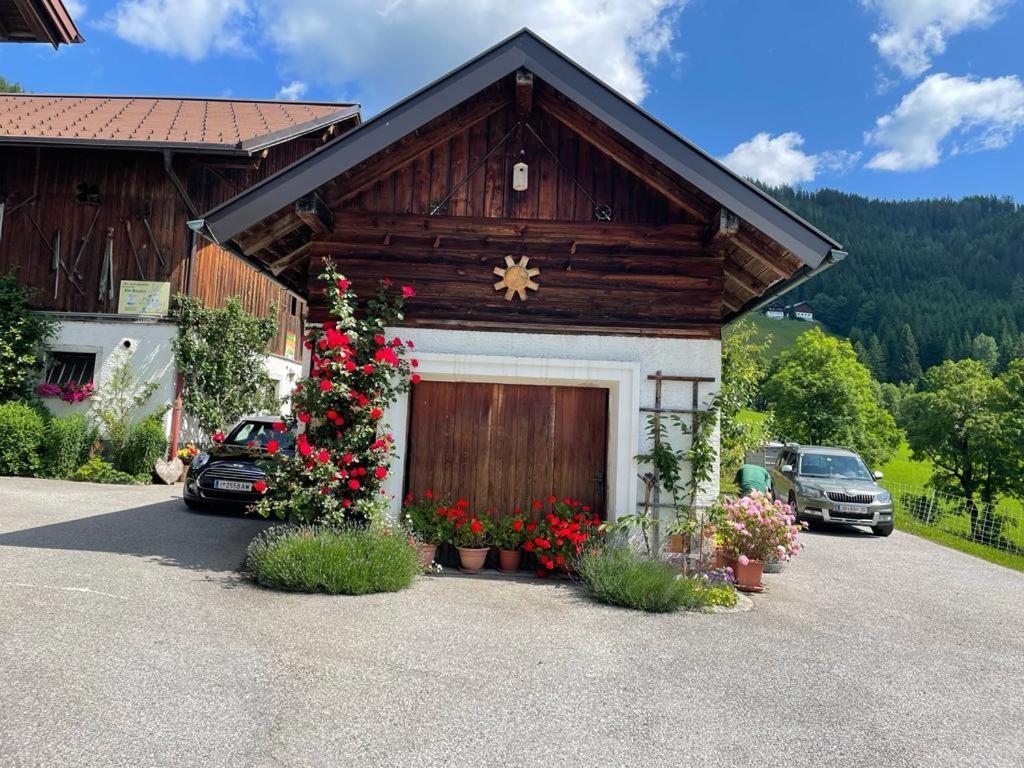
(653, 500)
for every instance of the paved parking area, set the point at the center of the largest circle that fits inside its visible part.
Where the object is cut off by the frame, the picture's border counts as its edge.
(127, 638)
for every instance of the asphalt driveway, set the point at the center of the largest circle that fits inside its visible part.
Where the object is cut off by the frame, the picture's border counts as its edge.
(128, 638)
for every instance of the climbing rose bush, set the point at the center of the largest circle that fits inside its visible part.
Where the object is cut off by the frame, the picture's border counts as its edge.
(758, 528)
(343, 450)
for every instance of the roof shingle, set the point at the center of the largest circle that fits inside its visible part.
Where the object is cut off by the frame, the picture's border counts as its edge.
(205, 124)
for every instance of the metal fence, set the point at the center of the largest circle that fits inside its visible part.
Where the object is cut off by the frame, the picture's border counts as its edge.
(1000, 526)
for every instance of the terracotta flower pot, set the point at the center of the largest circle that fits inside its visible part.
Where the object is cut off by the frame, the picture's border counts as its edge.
(509, 560)
(471, 559)
(427, 554)
(748, 576)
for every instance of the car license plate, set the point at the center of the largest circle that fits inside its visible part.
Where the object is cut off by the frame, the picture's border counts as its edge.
(232, 485)
(851, 508)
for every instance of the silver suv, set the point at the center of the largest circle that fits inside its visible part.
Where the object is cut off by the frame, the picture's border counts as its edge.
(831, 485)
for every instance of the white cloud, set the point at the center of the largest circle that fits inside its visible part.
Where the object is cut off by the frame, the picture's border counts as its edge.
(294, 91)
(76, 8)
(390, 48)
(186, 28)
(780, 160)
(913, 31)
(983, 113)
(387, 48)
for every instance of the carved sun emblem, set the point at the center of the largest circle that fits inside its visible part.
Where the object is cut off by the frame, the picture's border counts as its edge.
(516, 277)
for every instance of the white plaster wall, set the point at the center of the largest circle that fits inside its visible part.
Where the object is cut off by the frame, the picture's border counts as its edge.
(286, 373)
(152, 359)
(643, 355)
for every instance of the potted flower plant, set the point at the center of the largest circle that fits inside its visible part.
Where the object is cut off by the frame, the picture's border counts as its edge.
(755, 530)
(509, 535)
(428, 524)
(472, 539)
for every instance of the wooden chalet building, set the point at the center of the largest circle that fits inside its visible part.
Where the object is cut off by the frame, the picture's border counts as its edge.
(574, 261)
(95, 193)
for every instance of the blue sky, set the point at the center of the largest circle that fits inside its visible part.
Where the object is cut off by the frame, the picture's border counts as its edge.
(889, 98)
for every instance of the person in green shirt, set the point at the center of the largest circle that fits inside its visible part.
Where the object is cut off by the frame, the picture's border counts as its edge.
(753, 477)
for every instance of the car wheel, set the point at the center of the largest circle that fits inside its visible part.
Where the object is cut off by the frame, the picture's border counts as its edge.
(881, 530)
(794, 507)
(193, 503)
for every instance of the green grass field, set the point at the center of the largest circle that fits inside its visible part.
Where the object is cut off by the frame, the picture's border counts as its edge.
(903, 471)
(783, 332)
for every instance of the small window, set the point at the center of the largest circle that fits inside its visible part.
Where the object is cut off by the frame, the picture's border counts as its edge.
(67, 367)
(295, 306)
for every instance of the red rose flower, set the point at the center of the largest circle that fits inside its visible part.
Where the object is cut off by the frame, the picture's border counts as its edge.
(272, 446)
(279, 426)
(415, 378)
(332, 415)
(343, 284)
(323, 456)
(350, 366)
(305, 449)
(409, 344)
(551, 499)
(217, 437)
(381, 472)
(407, 292)
(353, 484)
(414, 363)
(325, 385)
(367, 369)
(537, 505)
(304, 418)
(259, 486)
(379, 340)
(376, 413)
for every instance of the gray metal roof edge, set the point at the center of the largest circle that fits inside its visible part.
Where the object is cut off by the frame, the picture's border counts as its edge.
(257, 143)
(524, 48)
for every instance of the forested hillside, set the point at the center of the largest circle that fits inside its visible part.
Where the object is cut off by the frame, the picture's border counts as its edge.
(927, 280)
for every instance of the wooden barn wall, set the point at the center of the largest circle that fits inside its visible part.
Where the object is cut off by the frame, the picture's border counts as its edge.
(556, 191)
(132, 188)
(618, 288)
(220, 275)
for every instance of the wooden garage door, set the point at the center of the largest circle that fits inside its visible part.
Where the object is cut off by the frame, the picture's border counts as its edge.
(503, 445)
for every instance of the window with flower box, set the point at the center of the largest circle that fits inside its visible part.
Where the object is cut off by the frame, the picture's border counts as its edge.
(70, 367)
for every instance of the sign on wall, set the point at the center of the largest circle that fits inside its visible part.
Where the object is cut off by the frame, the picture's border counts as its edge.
(143, 297)
(290, 342)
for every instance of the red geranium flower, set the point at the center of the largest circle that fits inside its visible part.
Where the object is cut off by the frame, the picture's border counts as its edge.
(517, 525)
(476, 526)
(551, 499)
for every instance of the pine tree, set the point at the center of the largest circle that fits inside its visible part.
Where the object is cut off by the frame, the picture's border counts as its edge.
(904, 364)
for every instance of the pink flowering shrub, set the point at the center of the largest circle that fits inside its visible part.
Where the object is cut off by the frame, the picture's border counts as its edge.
(758, 528)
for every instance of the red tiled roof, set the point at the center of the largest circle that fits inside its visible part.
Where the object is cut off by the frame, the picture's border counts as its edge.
(200, 124)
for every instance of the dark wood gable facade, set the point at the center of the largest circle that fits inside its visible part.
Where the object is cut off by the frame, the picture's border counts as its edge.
(625, 241)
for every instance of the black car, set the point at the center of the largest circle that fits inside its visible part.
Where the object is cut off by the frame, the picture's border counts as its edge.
(226, 473)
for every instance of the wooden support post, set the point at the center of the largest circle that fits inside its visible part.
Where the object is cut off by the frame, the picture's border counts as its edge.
(314, 213)
(524, 92)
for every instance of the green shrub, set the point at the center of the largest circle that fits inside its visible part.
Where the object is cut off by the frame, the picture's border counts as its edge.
(96, 470)
(66, 443)
(339, 561)
(723, 595)
(21, 431)
(620, 576)
(144, 443)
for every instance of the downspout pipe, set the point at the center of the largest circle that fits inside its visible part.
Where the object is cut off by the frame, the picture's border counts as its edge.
(179, 378)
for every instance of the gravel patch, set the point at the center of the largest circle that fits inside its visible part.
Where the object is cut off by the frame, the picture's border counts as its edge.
(129, 638)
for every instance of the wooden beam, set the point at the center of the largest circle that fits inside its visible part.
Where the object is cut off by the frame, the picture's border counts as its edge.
(405, 150)
(741, 283)
(753, 253)
(621, 151)
(268, 234)
(524, 92)
(481, 229)
(724, 225)
(280, 265)
(314, 213)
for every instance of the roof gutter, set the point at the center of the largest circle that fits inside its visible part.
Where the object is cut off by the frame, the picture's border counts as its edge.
(801, 276)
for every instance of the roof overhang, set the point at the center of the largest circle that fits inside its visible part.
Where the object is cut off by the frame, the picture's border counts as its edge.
(524, 50)
(37, 21)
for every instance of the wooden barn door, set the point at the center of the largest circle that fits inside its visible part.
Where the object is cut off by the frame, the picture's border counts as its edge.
(503, 445)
